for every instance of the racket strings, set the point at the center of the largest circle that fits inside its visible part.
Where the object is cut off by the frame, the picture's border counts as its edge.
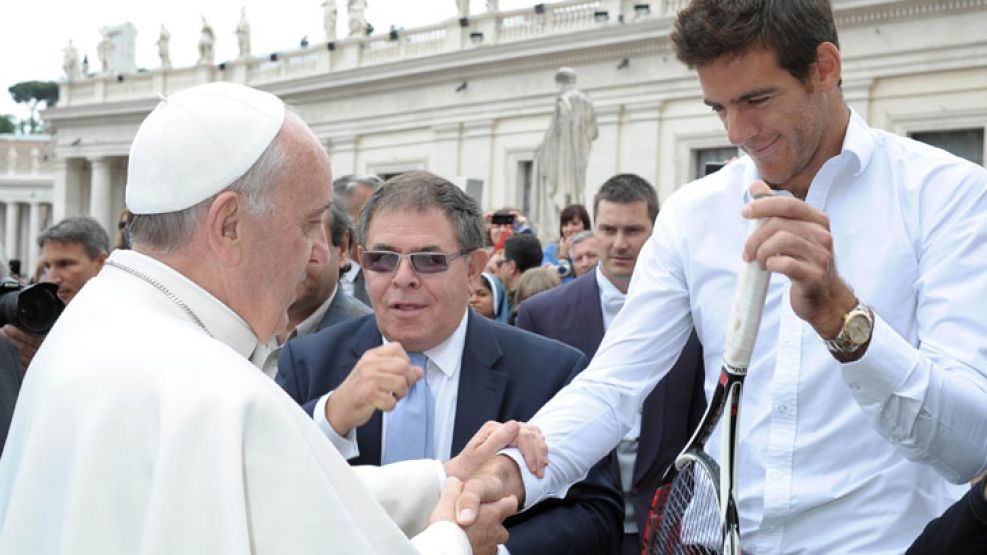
(685, 516)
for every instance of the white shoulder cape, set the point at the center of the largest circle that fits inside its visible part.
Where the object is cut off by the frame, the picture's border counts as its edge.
(136, 432)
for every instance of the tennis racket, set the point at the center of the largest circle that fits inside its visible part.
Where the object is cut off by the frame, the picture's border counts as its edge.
(695, 512)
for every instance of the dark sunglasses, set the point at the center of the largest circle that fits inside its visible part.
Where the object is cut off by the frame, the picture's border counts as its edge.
(421, 262)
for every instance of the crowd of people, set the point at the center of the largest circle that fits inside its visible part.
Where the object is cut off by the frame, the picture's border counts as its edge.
(273, 361)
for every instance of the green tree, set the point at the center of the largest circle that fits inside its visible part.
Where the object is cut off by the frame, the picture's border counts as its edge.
(36, 94)
(7, 124)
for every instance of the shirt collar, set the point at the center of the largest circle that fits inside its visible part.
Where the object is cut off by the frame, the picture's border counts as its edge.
(350, 275)
(607, 289)
(220, 321)
(307, 325)
(858, 146)
(448, 355)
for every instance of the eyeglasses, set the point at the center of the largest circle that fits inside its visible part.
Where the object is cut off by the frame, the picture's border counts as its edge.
(421, 262)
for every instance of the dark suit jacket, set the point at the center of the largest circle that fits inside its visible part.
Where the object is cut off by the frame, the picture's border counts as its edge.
(10, 386)
(342, 308)
(961, 530)
(571, 313)
(360, 288)
(505, 374)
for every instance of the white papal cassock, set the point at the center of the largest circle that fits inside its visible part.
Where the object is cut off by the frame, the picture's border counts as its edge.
(140, 431)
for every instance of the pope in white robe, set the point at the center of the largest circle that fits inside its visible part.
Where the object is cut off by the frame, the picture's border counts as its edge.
(143, 428)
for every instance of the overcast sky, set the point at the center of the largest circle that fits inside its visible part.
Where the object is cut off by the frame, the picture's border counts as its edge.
(34, 34)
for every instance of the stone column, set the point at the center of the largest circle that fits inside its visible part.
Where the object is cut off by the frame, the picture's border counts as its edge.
(342, 154)
(10, 237)
(444, 157)
(59, 193)
(477, 161)
(33, 230)
(641, 121)
(604, 158)
(100, 192)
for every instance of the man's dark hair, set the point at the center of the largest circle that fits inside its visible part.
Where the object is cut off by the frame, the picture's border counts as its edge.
(524, 249)
(339, 224)
(420, 190)
(85, 231)
(574, 212)
(708, 30)
(625, 188)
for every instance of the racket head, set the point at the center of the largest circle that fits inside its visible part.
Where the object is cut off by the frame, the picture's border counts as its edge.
(685, 517)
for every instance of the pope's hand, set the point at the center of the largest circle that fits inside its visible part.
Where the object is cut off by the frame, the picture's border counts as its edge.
(380, 379)
(486, 506)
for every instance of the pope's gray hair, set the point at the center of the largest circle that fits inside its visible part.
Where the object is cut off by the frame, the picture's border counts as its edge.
(171, 230)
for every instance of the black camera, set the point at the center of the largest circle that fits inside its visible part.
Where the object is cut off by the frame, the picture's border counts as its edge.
(34, 309)
(502, 218)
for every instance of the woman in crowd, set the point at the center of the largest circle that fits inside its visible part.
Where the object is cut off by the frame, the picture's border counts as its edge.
(574, 218)
(490, 298)
(532, 282)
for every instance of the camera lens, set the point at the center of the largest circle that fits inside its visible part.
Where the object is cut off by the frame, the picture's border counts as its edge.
(33, 309)
(38, 307)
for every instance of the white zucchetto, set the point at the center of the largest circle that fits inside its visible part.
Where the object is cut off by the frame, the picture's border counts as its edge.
(196, 143)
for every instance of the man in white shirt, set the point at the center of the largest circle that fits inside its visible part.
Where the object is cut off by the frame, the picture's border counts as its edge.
(578, 314)
(319, 302)
(143, 428)
(847, 440)
(422, 247)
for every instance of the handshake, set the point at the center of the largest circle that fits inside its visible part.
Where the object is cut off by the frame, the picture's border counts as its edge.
(475, 495)
(482, 489)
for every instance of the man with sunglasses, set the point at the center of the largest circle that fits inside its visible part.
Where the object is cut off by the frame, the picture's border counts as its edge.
(422, 246)
(143, 428)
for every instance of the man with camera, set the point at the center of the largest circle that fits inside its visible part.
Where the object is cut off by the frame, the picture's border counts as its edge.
(520, 252)
(578, 314)
(72, 253)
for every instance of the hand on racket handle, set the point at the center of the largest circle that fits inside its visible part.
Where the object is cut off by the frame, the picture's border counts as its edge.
(696, 512)
(748, 299)
(796, 242)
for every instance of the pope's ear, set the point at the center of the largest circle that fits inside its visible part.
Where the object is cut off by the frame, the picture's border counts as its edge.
(224, 227)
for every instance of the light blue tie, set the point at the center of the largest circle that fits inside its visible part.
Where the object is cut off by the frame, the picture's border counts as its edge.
(410, 426)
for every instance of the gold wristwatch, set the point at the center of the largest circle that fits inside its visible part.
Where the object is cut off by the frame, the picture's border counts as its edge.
(858, 324)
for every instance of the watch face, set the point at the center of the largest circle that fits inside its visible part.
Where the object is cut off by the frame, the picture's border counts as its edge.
(858, 328)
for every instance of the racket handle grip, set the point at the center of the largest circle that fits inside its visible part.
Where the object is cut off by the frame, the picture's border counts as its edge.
(745, 313)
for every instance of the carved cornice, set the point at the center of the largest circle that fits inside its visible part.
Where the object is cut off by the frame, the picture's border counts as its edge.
(872, 12)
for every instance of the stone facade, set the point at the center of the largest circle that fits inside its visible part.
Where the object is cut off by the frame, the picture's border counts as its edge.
(26, 172)
(471, 102)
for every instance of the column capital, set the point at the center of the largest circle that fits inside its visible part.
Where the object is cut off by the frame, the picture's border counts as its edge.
(341, 143)
(98, 159)
(478, 128)
(446, 131)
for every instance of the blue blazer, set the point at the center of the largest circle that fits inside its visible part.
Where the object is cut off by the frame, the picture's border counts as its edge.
(342, 308)
(505, 374)
(571, 313)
